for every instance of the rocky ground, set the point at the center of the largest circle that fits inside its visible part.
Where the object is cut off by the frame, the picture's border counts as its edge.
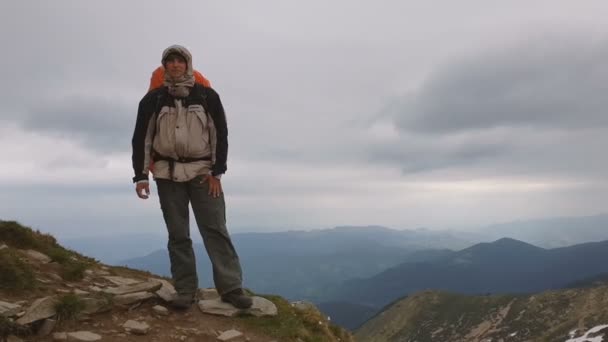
(118, 304)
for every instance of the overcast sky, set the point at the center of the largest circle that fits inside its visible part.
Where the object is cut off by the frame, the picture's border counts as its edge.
(437, 114)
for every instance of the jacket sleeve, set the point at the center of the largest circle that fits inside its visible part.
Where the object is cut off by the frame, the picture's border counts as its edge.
(216, 110)
(140, 156)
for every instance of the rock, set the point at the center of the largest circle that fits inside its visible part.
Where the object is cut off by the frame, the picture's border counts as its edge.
(167, 291)
(95, 288)
(13, 338)
(150, 285)
(60, 336)
(88, 272)
(229, 335)
(54, 277)
(132, 298)
(208, 294)
(37, 256)
(83, 336)
(3, 246)
(303, 305)
(80, 292)
(161, 310)
(135, 327)
(9, 309)
(47, 327)
(261, 307)
(122, 281)
(41, 308)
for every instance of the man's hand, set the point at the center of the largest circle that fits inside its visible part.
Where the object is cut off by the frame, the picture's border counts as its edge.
(215, 186)
(142, 189)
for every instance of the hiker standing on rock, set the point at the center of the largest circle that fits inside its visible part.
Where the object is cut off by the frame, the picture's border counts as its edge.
(181, 127)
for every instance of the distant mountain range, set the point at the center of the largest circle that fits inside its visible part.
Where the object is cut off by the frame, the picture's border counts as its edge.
(302, 265)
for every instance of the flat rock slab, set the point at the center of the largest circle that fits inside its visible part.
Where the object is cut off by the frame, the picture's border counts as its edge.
(9, 309)
(229, 335)
(208, 294)
(37, 256)
(135, 327)
(132, 298)
(261, 307)
(150, 285)
(167, 291)
(95, 305)
(83, 336)
(41, 309)
(122, 281)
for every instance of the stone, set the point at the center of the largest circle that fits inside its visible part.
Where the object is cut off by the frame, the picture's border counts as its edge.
(41, 308)
(167, 291)
(161, 310)
(13, 338)
(261, 307)
(9, 309)
(37, 256)
(122, 281)
(229, 335)
(303, 305)
(150, 285)
(83, 336)
(60, 336)
(208, 294)
(54, 277)
(95, 288)
(135, 327)
(47, 327)
(3, 246)
(132, 298)
(80, 292)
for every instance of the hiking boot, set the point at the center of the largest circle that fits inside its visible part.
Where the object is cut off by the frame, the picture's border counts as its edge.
(182, 301)
(238, 298)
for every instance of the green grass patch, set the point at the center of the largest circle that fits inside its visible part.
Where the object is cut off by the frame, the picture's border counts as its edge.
(73, 270)
(296, 325)
(7, 327)
(69, 307)
(14, 273)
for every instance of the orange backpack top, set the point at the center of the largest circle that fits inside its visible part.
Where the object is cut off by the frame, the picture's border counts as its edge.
(158, 78)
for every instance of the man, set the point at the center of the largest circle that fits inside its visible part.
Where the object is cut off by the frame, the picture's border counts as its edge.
(182, 128)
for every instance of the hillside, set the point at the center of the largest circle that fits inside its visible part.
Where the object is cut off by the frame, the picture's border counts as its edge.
(50, 293)
(552, 316)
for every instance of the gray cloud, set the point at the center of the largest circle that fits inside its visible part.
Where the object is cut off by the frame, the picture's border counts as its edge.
(546, 83)
(100, 124)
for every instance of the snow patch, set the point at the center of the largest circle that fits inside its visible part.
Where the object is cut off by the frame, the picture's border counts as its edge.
(584, 338)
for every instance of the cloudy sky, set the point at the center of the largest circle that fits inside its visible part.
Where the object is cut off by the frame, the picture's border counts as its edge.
(436, 114)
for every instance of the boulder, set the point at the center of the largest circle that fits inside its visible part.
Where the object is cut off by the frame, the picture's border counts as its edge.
(41, 308)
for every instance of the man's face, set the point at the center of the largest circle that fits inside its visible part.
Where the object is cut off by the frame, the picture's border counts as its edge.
(175, 66)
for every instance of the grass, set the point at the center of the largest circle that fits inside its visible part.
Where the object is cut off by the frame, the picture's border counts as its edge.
(7, 327)
(69, 307)
(296, 325)
(17, 236)
(14, 273)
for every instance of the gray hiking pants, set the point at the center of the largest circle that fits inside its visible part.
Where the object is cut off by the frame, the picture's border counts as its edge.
(210, 215)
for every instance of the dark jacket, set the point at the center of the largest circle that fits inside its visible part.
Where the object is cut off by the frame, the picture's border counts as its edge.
(149, 107)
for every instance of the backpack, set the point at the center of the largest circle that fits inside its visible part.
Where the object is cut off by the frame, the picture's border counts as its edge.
(158, 78)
